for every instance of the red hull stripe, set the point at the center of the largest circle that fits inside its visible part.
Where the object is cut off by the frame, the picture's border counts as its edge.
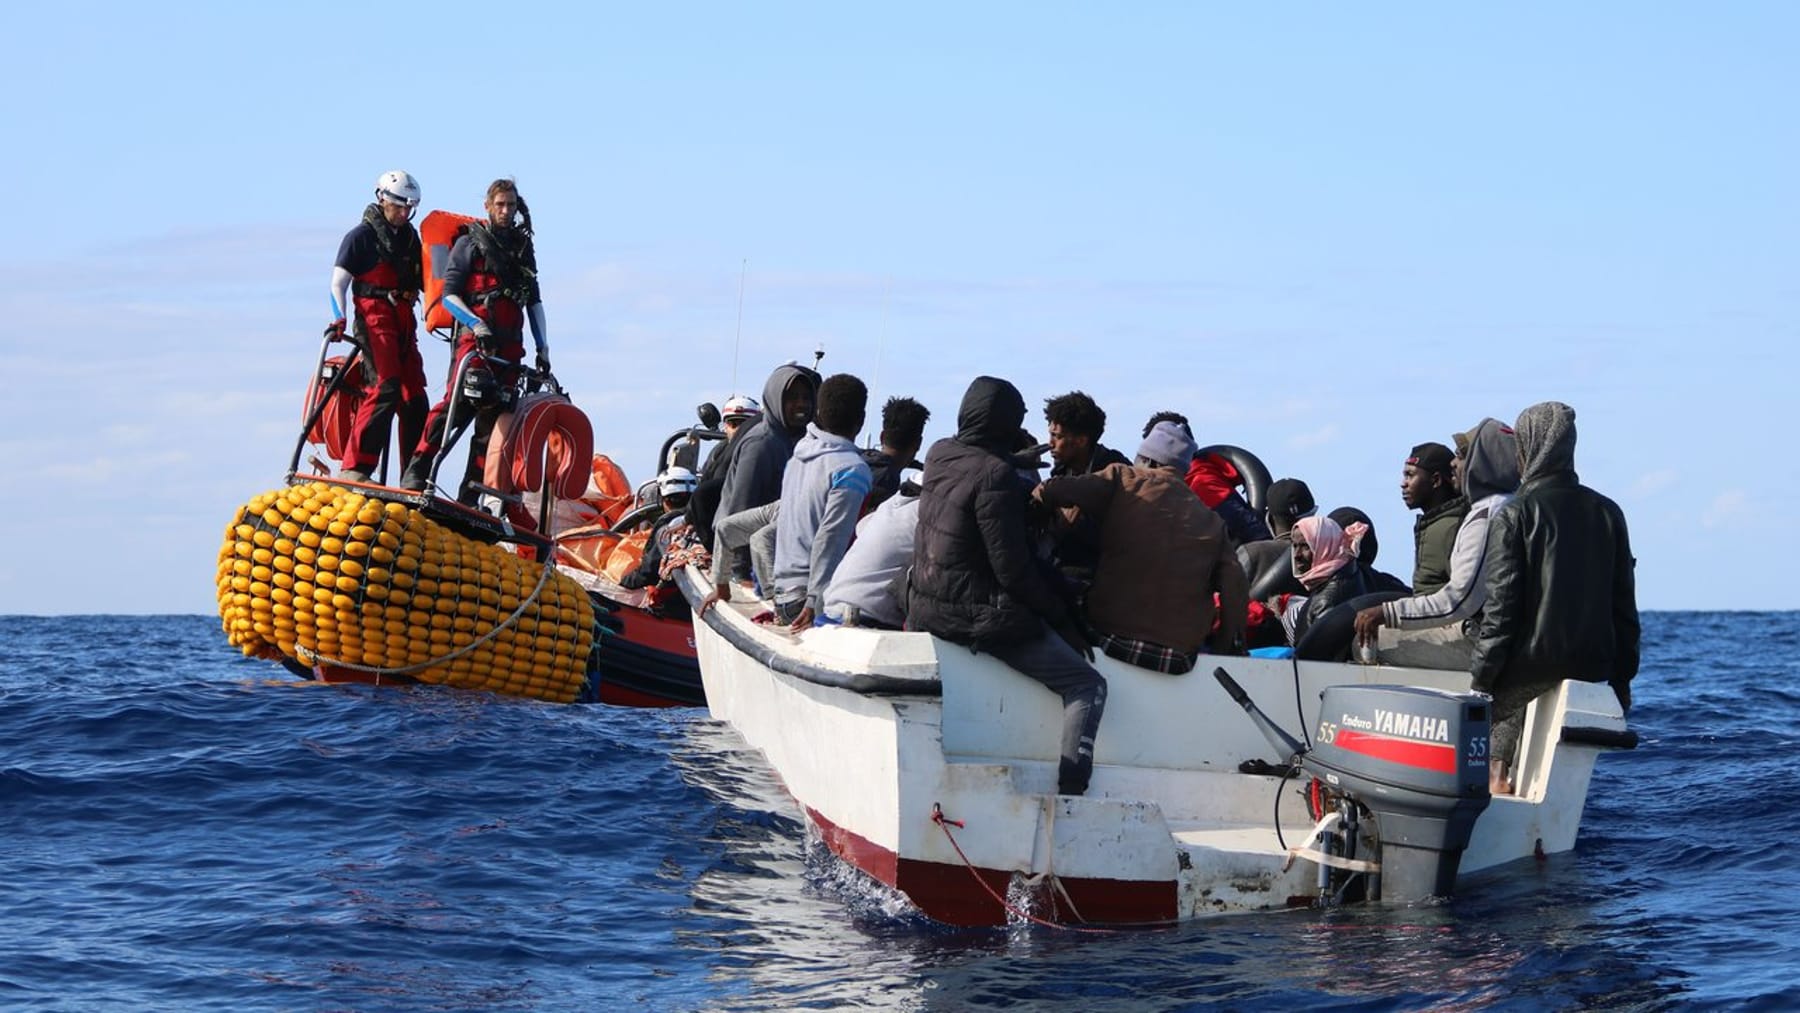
(1436, 756)
(671, 636)
(948, 893)
(622, 696)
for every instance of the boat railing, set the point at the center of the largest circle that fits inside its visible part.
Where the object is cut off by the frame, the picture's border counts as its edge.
(734, 630)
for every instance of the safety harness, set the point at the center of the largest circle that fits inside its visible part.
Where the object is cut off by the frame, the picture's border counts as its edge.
(396, 246)
(505, 272)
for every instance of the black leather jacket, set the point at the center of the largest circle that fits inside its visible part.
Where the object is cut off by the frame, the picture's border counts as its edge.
(1344, 585)
(1561, 592)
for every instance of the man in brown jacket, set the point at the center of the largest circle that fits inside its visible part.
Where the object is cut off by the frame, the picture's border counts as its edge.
(1163, 555)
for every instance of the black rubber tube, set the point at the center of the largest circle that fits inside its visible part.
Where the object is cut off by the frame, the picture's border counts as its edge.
(857, 682)
(1251, 472)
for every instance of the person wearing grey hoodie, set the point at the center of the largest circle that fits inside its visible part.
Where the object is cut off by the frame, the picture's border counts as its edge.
(1430, 630)
(1561, 588)
(760, 454)
(822, 494)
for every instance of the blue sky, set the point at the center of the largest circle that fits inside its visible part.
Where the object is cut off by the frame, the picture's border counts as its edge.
(1326, 232)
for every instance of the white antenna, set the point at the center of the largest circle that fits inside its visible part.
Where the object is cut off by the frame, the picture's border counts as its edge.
(738, 341)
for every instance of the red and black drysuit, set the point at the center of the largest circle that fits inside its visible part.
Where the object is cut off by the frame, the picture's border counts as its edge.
(386, 270)
(494, 272)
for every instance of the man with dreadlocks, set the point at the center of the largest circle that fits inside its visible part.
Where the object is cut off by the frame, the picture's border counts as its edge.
(378, 276)
(1561, 591)
(491, 288)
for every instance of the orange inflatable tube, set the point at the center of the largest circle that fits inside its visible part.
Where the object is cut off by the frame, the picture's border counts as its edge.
(542, 427)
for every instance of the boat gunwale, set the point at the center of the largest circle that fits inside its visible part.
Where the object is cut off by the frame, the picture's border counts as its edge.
(770, 657)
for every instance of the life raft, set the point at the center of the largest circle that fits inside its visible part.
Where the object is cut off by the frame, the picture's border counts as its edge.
(327, 577)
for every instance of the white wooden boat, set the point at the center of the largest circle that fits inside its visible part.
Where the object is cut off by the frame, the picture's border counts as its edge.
(933, 770)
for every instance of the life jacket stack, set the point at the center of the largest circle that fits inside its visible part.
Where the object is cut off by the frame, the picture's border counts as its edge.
(321, 574)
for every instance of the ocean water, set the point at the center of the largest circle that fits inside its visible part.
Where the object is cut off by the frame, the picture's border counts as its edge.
(185, 829)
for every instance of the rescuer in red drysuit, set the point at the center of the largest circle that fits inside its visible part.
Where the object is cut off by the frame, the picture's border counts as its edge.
(378, 272)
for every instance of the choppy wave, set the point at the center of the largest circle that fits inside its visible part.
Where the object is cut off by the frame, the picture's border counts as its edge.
(181, 828)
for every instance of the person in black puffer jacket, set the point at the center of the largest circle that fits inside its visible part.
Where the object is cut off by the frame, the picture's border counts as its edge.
(976, 582)
(1561, 587)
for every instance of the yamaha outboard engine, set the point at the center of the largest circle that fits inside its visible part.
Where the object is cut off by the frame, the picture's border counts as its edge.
(1416, 758)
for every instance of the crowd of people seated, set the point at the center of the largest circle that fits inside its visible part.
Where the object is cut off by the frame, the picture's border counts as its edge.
(1521, 576)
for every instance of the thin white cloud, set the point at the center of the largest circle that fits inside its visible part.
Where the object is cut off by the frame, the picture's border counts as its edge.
(1654, 482)
(100, 470)
(1727, 507)
(1323, 436)
(129, 434)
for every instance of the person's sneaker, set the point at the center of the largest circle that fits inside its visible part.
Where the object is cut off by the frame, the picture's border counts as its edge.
(353, 475)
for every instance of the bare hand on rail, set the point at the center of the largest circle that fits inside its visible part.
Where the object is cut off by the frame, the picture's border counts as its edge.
(718, 594)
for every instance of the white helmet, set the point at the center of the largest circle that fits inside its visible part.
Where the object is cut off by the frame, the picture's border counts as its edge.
(398, 187)
(676, 481)
(740, 407)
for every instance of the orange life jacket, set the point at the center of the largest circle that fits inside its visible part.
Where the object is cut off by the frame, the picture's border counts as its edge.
(437, 233)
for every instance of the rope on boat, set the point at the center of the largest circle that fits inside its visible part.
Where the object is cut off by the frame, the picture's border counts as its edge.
(312, 657)
(1306, 850)
(945, 823)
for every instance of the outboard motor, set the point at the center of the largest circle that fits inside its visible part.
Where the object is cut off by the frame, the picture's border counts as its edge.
(1413, 757)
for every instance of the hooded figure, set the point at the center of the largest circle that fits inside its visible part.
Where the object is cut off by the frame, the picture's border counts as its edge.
(975, 580)
(1426, 631)
(1561, 589)
(760, 454)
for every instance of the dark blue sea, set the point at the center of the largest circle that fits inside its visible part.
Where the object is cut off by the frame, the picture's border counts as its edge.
(185, 829)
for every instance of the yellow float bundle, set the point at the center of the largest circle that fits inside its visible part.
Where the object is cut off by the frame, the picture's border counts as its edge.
(325, 575)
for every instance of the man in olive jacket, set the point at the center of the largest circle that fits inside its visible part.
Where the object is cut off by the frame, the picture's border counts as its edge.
(1428, 486)
(975, 580)
(1561, 592)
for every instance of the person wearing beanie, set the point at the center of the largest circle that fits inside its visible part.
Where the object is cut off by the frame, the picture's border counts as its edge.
(1427, 485)
(1163, 557)
(1429, 630)
(1561, 587)
(1216, 480)
(1269, 564)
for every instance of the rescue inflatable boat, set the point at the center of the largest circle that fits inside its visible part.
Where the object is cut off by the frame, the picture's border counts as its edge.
(364, 582)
